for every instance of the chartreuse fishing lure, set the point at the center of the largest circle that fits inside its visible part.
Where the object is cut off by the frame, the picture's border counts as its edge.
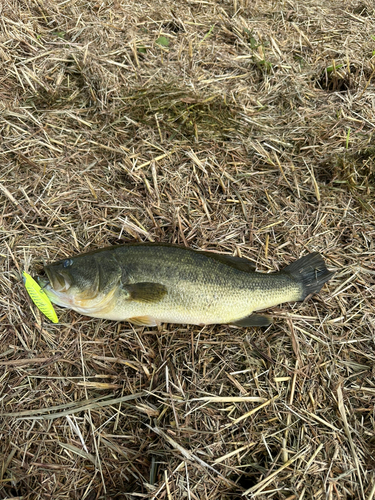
(39, 297)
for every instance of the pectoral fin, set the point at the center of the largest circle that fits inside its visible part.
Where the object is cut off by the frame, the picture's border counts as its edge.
(254, 320)
(145, 292)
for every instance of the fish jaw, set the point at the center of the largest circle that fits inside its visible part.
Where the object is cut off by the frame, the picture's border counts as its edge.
(58, 280)
(57, 297)
(99, 307)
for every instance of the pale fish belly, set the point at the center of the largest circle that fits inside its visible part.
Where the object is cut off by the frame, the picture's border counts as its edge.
(204, 306)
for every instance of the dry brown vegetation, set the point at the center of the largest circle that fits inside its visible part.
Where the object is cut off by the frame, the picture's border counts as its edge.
(248, 129)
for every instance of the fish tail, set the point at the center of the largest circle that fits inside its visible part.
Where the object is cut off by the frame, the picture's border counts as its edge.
(311, 272)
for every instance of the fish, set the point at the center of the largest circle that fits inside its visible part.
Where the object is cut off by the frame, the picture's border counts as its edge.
(153, 283)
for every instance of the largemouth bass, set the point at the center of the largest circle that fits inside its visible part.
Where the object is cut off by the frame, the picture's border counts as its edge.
(150, 283)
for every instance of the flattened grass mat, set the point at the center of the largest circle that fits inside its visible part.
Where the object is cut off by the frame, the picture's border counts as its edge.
(241, 127)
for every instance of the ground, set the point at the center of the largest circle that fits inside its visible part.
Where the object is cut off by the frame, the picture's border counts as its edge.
(243, 127)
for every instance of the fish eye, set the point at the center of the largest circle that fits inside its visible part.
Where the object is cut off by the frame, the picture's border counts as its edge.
(67, 262)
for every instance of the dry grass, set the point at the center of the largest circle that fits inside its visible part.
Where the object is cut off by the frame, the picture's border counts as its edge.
(252, 132)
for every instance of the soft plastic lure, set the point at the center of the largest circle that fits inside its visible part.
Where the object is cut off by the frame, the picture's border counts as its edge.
(39, 297)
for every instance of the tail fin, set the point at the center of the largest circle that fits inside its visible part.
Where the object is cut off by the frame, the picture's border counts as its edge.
(311, 272)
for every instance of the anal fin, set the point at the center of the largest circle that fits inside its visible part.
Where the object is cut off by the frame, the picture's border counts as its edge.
(254, 320)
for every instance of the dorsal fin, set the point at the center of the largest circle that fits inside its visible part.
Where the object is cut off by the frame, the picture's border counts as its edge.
(239, 263)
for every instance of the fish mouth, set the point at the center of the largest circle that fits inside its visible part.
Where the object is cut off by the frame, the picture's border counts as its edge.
(59, 281)
(43, 282)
